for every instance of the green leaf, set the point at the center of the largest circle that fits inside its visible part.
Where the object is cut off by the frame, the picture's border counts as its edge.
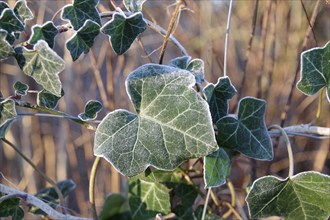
(247, 133)
(5, 48)
(22, 11)
(80, 11)
(173, 123)
(208, 216)
(124, 30)
(43, 65)
(7, 111)
(216, 168)
(218, 96)
(91, 109)
(20, 88)
(83, 39)
(134, 5)
(115, 207)
(10, 207)
(50, 196)
(47, 99)
(180, 62)
(183, 199)
(303, 196)
(9, 21)
(315, 70)
(3, 6)
(146, 199)
(46, 32)
(5, 126)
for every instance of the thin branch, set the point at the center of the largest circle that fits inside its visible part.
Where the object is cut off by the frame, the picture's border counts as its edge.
(92, 186)
(309, 22)
(301, 130)
(206, 202)
(32, 200)
(288, 147)
(227, 39)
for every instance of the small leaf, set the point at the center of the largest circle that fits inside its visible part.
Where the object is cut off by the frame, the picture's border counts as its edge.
(22, 11)
(196, 67)
(218, 96)
(180, 62)
(80, 11)
(46, 32)
(115, 207)
(83, 39)
(315, 70)
(7, 111)
(5, 126)
(248, 133)
(134, 5)
(43, 65)
(50, 196)
(5, 48)
(3, 6)
(47, 99)
(303, 196)
(10, 207)
(183, 199)
(146, 199)
(21, 88)
(9, 21)
(173, 123)
(91, 109)
(216, 168)
(124, 30)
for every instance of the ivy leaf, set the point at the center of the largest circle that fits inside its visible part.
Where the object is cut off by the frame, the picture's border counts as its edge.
(43, 65)
(46, 32)
(9, 21)
(22, 11)
(47, 99)
(5, 48)
(315, 70)
(115, 207)
(83, 39)
(216, 168)
(183, 199)
(247, 133)
(218, 96)
(7, 111)
(3, 6)
(20, 88)
(172, 124)
(134, 5)
(180, 62)
(80, 11)
(146, 199)
(124, 30)
(10, 207)
(91, 109)
(303, 196)
(50, 196)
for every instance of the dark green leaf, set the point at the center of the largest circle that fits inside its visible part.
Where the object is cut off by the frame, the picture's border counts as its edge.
(5, 48)
(46, 32)
(247, 133)
(10, 207)
(22, 11)
(196, 67)
(315, 70)
(180, 62)
(146, 199)
(216, 168)
(83, 39)
(134, 5)
(7, 111)
(9, 21)
(303, 196)
(50, 196)
(173, 123)
(11, 38)
(80, 11)
(183, 199)
(218, 96)
(115, 207)
(91, 109)
(199, 213)
(47, 99)
(21, 88)
(3, 6)
(43, 65)
(5, 126)
(124, 30)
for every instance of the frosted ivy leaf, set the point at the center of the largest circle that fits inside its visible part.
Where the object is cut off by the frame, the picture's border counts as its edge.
(172, 123)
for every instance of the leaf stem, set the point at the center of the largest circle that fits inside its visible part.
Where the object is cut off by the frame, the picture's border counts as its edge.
(227, 38)
(206, 202)
(233, 199)
(92, 187)
(319, 105)
(42, 174)
(288, 147)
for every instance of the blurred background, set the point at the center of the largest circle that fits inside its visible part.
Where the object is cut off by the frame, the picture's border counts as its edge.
(63, 149)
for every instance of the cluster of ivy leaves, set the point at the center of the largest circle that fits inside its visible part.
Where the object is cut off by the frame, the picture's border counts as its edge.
(173, 122)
